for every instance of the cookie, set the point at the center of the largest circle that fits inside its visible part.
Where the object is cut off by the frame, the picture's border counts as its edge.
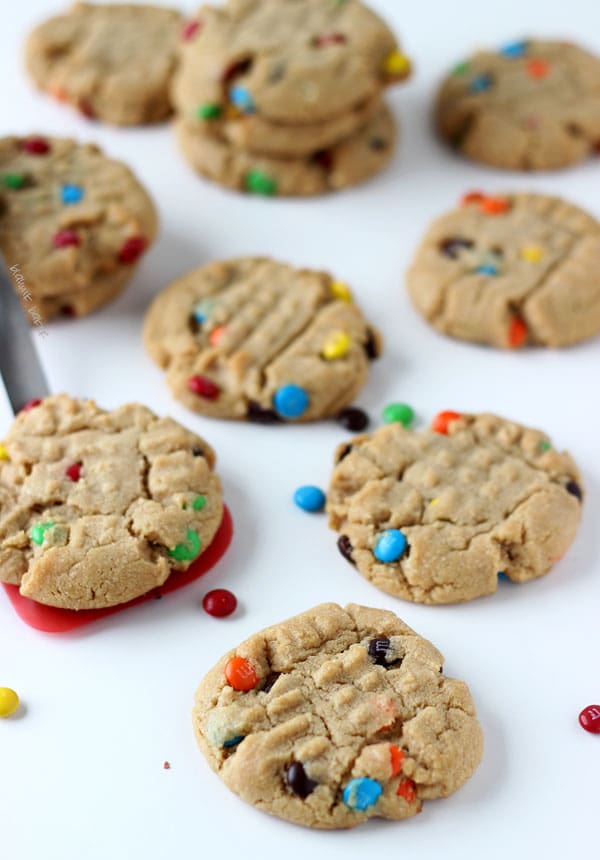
(73, 221)
(336, 716)
(531, 105)
(256, 339)
(510, 270)
(289, 61)
(435, 516)
(99, 507)
(255, 135)
(112, 62)
(344, 165)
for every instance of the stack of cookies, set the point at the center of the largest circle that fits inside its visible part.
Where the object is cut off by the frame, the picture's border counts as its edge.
(284, 97)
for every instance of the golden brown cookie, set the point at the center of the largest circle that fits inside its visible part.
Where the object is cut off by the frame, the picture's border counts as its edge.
(73, 221)
(336, 716)
(288, 61)
(113, 62)
(510, 270)
(531, 105)
(349, 162)
(98, 507)
(435, 516)
(259, 340)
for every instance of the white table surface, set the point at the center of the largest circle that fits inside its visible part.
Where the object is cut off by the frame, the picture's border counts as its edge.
(81, 768)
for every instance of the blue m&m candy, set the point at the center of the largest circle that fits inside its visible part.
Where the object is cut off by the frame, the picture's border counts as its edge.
(242, 100)
(290, 401)
(361, 793)
(310, 499)
(486, 270)
(71, 194)
(481, 83)
(390, 546)
(513, 50)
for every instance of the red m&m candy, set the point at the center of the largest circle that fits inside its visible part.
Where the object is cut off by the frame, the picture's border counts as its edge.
(204, 387)
(589, 719)
(219, 602)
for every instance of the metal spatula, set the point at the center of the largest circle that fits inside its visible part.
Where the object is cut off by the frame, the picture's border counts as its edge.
(20, 366)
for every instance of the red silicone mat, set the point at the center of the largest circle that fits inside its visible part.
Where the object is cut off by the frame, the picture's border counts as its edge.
(49, 619)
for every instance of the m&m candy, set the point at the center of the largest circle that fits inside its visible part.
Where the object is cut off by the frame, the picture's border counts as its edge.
(390, 546)
(309, 498)
(9, 702)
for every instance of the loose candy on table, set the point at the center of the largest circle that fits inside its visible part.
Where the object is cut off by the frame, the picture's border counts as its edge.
(589, 719)
(310, 498)
(354, 419)
(9, 702)
(399, 413)
(219, 603)
(390, 546)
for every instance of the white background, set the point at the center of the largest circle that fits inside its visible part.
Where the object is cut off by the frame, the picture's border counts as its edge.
(81, 768)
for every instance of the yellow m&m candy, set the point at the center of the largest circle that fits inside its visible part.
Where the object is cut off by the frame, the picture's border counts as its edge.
(336, 346)
(3, 453)
(9, 702)
(341, 291)
(396, 65)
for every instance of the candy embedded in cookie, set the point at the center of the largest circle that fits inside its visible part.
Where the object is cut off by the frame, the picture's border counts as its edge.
(510, 270)
(433, 516)
(98, 508)
(74, 222)
(336, 716)
(258, 340)
(529, 105)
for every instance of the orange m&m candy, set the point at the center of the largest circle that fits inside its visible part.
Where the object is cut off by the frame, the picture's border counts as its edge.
(442, 420)
(240, 674)
(517, 333)
(494, 205)
(406, 789)
(397, 757)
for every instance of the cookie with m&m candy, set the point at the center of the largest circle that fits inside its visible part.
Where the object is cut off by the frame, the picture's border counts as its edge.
(74, 222)
(286, 98)
(99, 507)
(112, 62)
(255, 339)
(336, 716)
(510, 270)
(435, 516)
(529, 104)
